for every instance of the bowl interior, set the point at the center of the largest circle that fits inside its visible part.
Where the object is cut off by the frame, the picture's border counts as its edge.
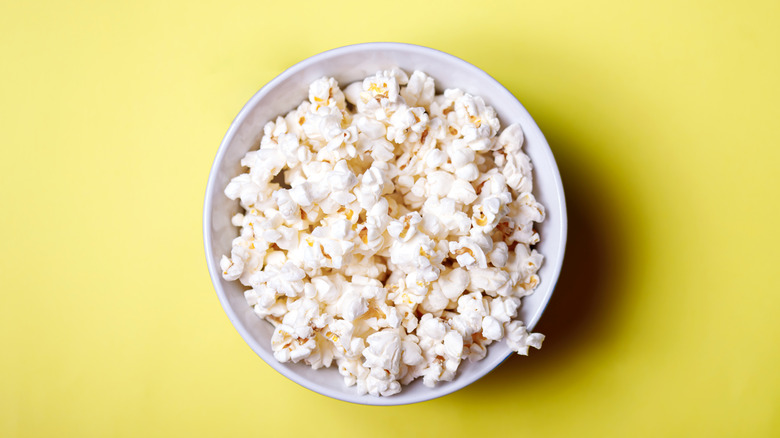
(347, 65)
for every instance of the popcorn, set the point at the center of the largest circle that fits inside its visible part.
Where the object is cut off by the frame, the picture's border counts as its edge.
(468, 253)
(352, 305)
(327, 288)
(435, 301)
(420, 90)
(435, 158)
(491, 281)
(478, 121)
(519, 339)
(381, 150)
(453, 283)
(342, 178)
(453, 344)
(263, 300)
(517, 171)
(504, 309)
(370, 128)
(393, 236)
(511, 139)
(439, 183)
(442, 349)
(472, 308)
(468, 172)
(380, 93)
(383, 352)
(405, 227)
(326, 92)
(462, 192)
(288, 347)
(233, 267)
(500, 254)
(460, 154)
(407, 124)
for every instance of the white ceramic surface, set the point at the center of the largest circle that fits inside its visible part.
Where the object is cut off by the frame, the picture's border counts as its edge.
(348, 64)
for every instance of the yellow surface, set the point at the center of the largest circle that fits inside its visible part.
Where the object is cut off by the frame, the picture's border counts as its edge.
(663, 117)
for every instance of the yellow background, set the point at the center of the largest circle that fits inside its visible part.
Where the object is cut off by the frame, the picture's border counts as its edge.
(664, 117)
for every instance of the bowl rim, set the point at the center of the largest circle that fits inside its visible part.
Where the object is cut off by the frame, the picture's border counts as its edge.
(460, 381)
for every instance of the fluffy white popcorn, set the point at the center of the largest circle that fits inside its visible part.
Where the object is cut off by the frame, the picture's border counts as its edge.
(491, 281)
(435, 158)
(383, 352)
(388, 230)
(435, 301)
(468, 253)
(420, 90)
(492, 329)
(454, 282)
(441, 346)
(504, 309)
(326, 92)
(352, 305)
(233, 267)
(511, 140)
(519, 339)
(500, 254)
(462, 191)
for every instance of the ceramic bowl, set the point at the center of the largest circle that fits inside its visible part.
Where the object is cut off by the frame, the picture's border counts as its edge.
(348, 64)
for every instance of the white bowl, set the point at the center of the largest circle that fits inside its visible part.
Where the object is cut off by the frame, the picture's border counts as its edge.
(348, 64)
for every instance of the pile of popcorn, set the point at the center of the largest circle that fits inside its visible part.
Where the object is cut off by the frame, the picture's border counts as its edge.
(388, 229)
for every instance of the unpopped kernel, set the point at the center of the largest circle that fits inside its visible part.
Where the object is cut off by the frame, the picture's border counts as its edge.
(389, 230)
